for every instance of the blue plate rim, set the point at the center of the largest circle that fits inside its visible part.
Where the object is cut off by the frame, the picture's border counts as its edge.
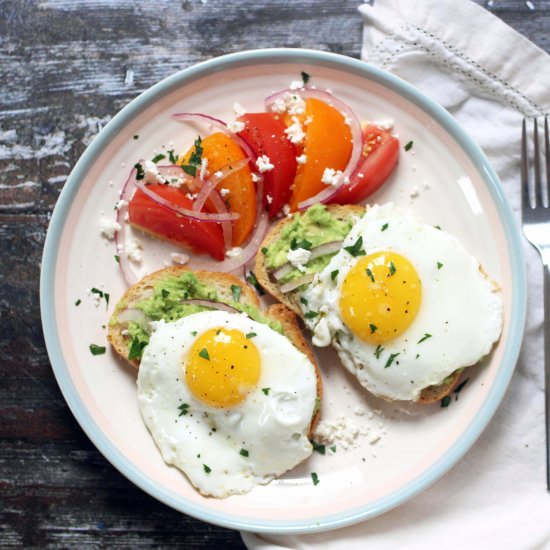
(294, 56)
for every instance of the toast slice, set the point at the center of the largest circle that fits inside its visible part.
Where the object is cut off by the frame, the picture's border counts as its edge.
(264, 275)
(225, 286)
(262, 270)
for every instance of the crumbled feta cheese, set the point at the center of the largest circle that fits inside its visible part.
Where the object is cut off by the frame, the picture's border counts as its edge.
(359, 411)
(279, 106)
(415, 192)
(308, 120)
(224, 192)
(133, 251)
(264, 164)
(191, 196)
(108, 228)
(95, 296)
(204, 168)
(218, 174)
(151, 172)
(238, 109)
(386, 124)
(296, 85)
(332, 176)
(360, 175)
(347, 119)
(295, 132)
(234, 252)
(179, 258)
(236, 126)
(298, 258)
(302, 159)
(120, 204)
(286, 211)
(269, 199)
(341, 431)
(294, 104)
(255, 177)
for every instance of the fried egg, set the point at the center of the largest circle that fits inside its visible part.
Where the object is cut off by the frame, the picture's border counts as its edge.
(404, 303)
(228, 400)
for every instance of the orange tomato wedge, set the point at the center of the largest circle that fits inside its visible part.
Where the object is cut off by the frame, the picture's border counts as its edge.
(221, 150)
(327, 145)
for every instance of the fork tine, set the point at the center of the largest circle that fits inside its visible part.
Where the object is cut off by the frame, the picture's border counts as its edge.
(524, 167)
(547, 153)
(536, 161)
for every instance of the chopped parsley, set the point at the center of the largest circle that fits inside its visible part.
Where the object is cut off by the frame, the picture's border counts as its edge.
(78, 302)
(136, 349)
(356, 248)
(408, 146)
(314, 478)
(390, 359)
(392, 269)
(97, 350)
(195, 159)
(303, 300)
(117, 258)
(438, 227)
(204, 354)
(184, 409)
(266, 391)
(333, 448)
(445, 401)
(439, 265)
(136, 136)
(334, 274)
(459, 388)
(172, 157)
(251, 278)
(243, 452)
(425, 337)
(318, 447)
(384, 227)
(158, 158)
(264, 250)
(101, 294)
(295, 244)
(311, 314)
(370, 275)
(165, 293)
(250, 335)
(379, 349)
(207, 469)
(194, 332)
(236, 291)
(140, 172)
(373, 328)
(305, 77)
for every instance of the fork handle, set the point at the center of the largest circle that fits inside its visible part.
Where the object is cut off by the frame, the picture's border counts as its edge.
(546, 353)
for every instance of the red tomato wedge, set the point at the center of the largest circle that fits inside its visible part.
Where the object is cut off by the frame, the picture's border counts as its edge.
(327, 145)
(154, 218)
(265, 134)
(221, 150)
(378, 159)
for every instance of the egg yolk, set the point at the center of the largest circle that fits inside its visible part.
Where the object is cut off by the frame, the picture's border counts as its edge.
(380, 297)
(223, 366)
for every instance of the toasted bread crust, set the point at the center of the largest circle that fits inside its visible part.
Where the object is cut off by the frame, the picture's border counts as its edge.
(222, 282)
(262, 273)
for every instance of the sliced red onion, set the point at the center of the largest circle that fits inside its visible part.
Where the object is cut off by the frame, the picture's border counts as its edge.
(201, 216)
(120, 236)
(212, 304)
(136, 315)
(321, 250)
(293, 285)
(248, 252)
(218, 125)
(213, 181)
(356, 137)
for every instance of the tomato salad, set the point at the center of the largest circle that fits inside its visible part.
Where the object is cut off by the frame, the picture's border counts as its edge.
(217, 199)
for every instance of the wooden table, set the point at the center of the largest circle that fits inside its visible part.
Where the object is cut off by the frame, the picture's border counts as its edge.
(66, 67)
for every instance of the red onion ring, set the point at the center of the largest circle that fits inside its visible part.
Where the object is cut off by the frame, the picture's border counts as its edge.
(219, 125)
(293, 285)
(136, 315)
(253, 244)
(356, 137)
(213, 181)
(321, 250)
(211, 304)
(201, 216)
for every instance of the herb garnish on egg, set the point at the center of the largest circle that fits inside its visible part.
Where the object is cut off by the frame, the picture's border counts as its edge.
(425, 337)
(356, 248)
(390, 360)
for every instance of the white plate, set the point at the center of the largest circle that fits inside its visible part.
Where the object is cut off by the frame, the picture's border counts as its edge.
(444, 179)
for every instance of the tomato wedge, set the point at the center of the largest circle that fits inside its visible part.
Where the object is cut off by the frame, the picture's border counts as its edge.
(265, 134)
(221, 150)
(327, 145)
(379, 157)
(154, 218)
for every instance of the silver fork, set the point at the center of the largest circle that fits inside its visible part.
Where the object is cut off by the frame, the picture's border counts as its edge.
(536, 228)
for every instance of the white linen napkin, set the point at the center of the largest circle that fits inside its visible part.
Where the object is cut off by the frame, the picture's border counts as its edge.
(488, 77)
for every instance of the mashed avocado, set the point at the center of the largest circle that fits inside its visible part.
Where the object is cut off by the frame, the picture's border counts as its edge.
(316, 226)
(167, 302)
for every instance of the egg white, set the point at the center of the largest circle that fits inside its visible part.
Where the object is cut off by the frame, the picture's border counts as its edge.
(460, 307)
(271, 425)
